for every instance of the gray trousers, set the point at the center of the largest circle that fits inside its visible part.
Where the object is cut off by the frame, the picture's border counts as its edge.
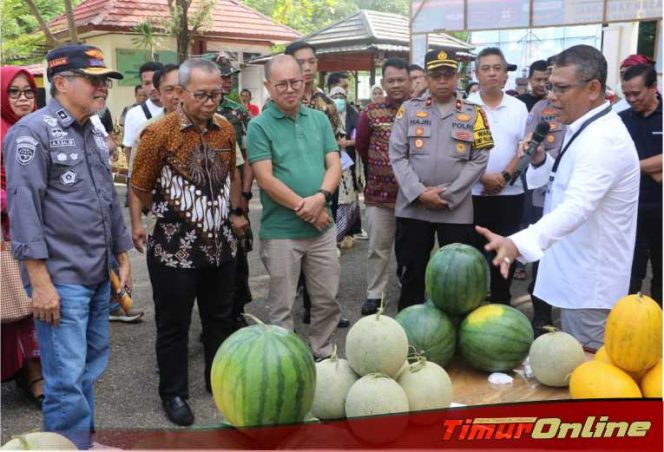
(317, 258)
(586, 325)
(381, 228)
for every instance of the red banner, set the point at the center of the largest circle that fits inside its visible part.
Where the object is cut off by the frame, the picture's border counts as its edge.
(560, 425)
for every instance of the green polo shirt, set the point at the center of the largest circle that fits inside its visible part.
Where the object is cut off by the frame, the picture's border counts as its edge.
(297, 149)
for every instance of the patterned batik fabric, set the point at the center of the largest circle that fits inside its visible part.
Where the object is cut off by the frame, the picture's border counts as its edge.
(381, 186)
(319, 101)
(189, 172)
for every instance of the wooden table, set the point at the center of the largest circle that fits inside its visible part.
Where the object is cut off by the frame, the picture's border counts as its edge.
(472, 387)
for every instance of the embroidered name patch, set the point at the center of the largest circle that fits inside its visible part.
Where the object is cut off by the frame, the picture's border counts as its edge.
(62, 142)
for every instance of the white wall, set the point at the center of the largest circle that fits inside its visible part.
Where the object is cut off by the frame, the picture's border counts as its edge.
(251, 77)
(619, 41)
(120, 96)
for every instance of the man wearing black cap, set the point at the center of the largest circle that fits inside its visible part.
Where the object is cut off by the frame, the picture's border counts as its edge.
(66, 227)
(439, 148)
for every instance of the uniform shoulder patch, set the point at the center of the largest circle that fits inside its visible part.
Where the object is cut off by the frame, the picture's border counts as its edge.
(482, 138)
(26, 147)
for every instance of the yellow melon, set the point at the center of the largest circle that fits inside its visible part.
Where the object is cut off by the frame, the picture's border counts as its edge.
(601, 355)
(651, 384)
(598, 380)
(633, 336)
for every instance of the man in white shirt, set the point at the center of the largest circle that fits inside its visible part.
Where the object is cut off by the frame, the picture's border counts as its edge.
(585, 240)
(498, 205)
(142, 113)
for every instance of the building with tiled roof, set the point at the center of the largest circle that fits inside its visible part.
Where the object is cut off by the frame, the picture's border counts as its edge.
(242, 32)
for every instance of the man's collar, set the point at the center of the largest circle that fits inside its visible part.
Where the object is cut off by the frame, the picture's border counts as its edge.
(278, 113)
(476, 98)
(186, 122)
(60, 113)
(658, 109)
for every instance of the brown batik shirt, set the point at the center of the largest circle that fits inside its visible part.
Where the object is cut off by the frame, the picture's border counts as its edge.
(189, 172)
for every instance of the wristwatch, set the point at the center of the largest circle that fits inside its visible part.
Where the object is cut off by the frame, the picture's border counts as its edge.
(238, 211)
(506, 176)
(247, 195)
(327, 194)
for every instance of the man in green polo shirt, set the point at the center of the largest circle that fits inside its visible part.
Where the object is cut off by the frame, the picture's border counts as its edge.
(293, 153)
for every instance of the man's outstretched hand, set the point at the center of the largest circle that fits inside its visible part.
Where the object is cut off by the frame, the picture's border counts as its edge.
(506, 250)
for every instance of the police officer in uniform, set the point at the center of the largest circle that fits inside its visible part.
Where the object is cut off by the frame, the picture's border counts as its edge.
(238, 116)
(438, 150)
(66, 227)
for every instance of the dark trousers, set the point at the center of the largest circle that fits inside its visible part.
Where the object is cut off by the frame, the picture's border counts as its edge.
(413, 244)
(174, 291)
(242, 292)
(541, 309)
(648, 246)
(502, 215)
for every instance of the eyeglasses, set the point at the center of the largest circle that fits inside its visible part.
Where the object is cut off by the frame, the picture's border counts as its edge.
(559, 90)
(282, 86)
(15, 93)
(202, 97)
(95, 80)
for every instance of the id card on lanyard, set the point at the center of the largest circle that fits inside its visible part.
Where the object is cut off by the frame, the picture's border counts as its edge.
(552, 175)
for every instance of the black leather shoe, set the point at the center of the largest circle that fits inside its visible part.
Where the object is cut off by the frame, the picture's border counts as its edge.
(177, 410)
(370, 306)
(343, 323)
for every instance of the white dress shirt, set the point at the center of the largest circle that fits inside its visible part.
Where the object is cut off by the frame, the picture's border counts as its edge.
(135, 120)
(585, 240)
(508, 124)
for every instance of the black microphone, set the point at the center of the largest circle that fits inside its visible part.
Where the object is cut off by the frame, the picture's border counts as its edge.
(539, 134)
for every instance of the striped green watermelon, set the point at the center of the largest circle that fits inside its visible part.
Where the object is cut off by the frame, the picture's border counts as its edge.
(495, 338)
(430, 331)
(457, 278)
(263, 375)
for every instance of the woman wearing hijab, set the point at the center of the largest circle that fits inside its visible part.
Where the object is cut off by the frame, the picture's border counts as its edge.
(20, 353)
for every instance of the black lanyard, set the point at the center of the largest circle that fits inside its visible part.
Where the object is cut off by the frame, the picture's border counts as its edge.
(576, 134)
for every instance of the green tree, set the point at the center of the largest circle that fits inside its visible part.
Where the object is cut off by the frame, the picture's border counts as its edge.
(185, 22)
(22, 43)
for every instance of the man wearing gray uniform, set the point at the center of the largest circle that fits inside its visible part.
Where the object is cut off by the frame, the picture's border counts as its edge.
(438, 150)
(66, 227)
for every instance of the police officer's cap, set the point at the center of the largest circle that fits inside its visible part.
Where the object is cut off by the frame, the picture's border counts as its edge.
(78, 58)
(435, 59)
(225, 65)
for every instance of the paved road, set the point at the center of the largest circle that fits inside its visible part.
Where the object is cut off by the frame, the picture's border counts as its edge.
(126, 395)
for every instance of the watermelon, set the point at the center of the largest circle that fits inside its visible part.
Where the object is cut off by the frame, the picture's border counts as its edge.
(457, 278)
(430, 331)
(495, 338)
(263, 375)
